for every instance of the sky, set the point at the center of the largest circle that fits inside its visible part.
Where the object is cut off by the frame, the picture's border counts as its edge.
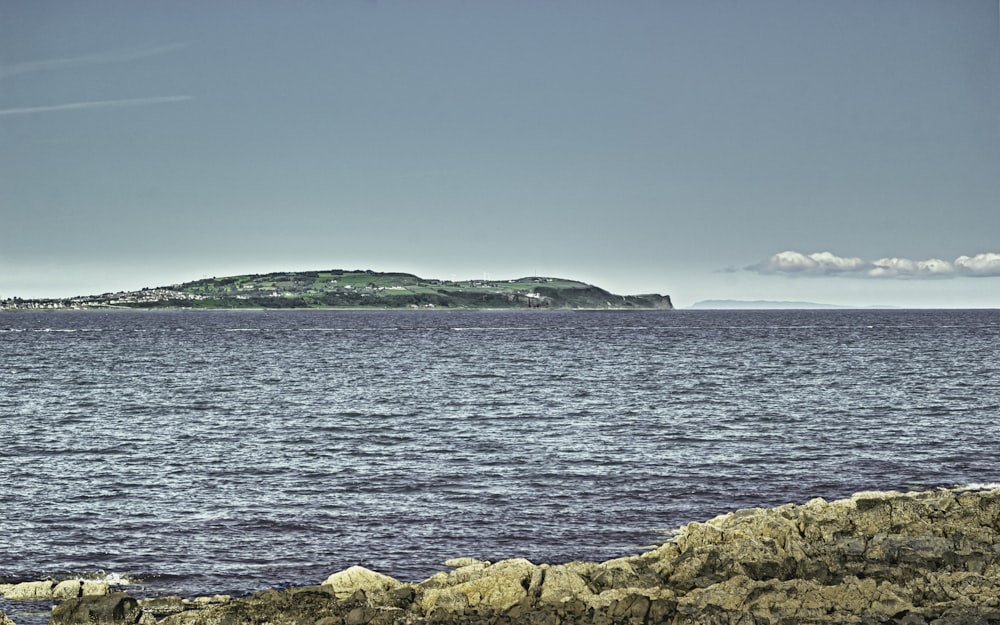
(843, 152)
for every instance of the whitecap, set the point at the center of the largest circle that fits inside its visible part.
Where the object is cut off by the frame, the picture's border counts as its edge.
(113, 579)
(978, 486)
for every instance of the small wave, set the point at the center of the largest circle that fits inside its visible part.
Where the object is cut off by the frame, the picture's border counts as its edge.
(58, 330)
(978, 486)
(332, 329)
(492, 329)
(113, 578)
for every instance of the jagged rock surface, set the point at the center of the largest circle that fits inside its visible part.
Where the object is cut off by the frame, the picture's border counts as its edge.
(931, 557)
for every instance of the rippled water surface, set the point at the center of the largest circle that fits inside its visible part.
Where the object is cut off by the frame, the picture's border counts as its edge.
(203, 452)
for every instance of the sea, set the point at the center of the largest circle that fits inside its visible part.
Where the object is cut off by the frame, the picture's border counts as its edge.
(193, 453)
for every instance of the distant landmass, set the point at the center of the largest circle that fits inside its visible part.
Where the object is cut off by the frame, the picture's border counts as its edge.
(337, 288)
(732, 304)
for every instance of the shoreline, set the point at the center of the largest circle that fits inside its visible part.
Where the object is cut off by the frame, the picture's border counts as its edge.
(880, 556)
(86, 309)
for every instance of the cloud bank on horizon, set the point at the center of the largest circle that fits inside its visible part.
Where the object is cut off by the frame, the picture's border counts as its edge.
(792, 263)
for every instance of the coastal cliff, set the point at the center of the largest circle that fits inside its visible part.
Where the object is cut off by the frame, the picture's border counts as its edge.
(926, 557)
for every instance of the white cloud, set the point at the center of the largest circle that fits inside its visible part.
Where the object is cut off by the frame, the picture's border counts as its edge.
(906, 268)
(98, 104)
(820, 263)
(793, 263)
(979, 265)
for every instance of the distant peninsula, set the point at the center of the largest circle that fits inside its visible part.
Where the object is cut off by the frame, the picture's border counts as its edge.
(337, 288)
(731, 304)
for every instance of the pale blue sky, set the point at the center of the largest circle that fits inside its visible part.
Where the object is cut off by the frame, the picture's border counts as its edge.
(676, 147)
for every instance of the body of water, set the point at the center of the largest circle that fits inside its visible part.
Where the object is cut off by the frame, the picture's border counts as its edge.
(200, 452)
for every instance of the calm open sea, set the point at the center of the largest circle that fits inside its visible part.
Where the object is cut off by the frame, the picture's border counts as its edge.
(227, 452)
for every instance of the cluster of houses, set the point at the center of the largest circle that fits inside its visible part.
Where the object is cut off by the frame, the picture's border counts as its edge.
(124, 299)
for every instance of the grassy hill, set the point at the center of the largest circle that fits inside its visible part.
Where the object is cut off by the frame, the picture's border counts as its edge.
(337, 288)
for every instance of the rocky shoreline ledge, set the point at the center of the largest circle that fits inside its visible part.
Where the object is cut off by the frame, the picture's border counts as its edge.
(886, 557)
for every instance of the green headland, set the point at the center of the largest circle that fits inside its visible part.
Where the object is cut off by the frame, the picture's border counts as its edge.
(336, 288)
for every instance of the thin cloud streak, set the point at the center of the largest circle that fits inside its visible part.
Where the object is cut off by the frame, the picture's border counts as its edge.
(101, 58)
(97, 104)
(792, 263)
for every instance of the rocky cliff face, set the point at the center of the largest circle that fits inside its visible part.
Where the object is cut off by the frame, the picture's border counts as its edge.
(930, 557)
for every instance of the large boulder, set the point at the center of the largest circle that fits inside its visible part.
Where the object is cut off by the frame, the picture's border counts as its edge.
(345, 583)
(115, 608)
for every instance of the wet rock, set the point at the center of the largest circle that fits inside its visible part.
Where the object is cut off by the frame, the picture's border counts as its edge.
(115, 608)
(5, 620)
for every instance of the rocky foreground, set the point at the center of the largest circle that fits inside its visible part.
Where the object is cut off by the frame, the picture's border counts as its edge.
(929, 557)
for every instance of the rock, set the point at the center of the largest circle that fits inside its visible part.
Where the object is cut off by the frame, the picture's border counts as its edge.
(115, 608)
(80, 587)
(311, 604)
(160, 607)
(566, 582)
(5, 620)
(68, 589)
(30, 591)
(496, 587)
(346, 582)
(457, 563)
(204, 602)
(49, 589)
